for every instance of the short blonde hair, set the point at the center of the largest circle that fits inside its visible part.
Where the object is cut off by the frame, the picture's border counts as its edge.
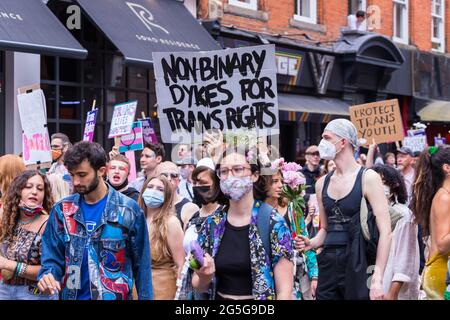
(60, 188)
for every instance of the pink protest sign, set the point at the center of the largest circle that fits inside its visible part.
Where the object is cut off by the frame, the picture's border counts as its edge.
(132, 141)
(89, 129)
(148, 131)
(122, 120)
(130, 156)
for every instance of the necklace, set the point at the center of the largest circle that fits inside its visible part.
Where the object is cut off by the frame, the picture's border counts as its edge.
(23, 223)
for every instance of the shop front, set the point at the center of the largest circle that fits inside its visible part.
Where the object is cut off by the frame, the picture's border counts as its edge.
(318, 82)
(120, 38)
(27, 29)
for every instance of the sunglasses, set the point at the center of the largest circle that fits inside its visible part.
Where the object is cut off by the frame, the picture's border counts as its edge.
(317, 154)
(170, 175)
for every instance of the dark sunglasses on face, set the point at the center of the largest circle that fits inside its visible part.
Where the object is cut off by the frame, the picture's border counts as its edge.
(317, 154)
(171, 175)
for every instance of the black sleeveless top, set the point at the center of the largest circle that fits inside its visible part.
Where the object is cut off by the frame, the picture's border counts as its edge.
(340, 212)
(178, 208)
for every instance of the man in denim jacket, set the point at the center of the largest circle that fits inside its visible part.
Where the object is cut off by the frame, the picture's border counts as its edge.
(96, 245)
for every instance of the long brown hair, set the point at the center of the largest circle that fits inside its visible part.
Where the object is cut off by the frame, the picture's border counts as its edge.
(158, 229)
(11, 212)
(282, 201)
(429, 179)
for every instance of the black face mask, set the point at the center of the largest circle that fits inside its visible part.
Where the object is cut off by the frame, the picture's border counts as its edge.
(202, 195)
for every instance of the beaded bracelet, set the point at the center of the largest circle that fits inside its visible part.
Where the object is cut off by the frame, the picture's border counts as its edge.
(23, 270)
(17, 269)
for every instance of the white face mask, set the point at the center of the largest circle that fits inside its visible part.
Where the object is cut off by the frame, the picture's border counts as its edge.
(327, 150)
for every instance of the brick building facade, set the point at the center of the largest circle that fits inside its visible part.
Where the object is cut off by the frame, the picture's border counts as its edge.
(403, 54)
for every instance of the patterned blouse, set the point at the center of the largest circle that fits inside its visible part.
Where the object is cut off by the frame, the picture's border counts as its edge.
(24, 246)
(262, 268)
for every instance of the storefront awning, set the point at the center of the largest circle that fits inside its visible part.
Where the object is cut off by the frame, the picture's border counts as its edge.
(29, 26)
(310, 104)
(436, 110)
(139, 27)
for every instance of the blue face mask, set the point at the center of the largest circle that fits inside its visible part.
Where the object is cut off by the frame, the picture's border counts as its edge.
(153, 198)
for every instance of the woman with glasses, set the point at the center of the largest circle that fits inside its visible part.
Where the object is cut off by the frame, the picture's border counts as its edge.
(165, 234)
(184, 209)
(237, 265)
(306, 275)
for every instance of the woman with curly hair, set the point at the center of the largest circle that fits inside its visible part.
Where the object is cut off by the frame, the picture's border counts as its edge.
(166, 236)
(25, 214)
(431, 207)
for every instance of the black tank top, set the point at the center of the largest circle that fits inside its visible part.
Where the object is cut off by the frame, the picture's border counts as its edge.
(340, 212)
(178, 208)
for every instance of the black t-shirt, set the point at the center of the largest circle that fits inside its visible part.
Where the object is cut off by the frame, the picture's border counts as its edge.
(311, 178)
(233, 268)
(131, 193)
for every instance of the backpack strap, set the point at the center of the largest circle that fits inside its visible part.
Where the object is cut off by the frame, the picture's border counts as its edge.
(263, 225)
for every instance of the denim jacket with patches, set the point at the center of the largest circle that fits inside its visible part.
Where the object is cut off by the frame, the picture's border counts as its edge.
(118, 249)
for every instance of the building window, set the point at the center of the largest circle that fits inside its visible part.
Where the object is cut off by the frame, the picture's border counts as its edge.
(306, 10)
(437, 25)
(401, 32)
(248, 4)
(356, 5)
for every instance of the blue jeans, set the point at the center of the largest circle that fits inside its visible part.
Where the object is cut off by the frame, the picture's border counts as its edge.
(9, 292)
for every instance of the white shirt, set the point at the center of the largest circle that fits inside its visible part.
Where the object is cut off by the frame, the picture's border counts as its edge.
(185, 190)
(353, 23)
(404, 259)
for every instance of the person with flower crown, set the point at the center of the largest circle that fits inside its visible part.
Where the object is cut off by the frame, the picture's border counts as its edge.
(27, 202)
(285, 193)
(236, 263)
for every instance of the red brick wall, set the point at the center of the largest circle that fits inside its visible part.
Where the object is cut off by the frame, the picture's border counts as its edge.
(333, 15)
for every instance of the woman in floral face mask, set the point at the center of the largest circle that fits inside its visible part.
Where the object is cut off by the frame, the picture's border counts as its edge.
(237, 265)
(165, 234)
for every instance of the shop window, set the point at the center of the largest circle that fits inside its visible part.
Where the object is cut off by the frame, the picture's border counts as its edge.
(401, 30)
(50, 99)
(93, 68)
(69, 70)
(248, 4)
(48, 68)
(70, 103)
(115, 71)
(306, 10)
(137, 78)
(437, 25)
(73, 131)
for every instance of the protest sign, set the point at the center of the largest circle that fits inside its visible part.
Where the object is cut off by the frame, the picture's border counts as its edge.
(35, 138)
(122, 119)
(439, 141)
(380, 121)
(148, 131)
(231, 90)
(89, 129)
(415, 143)
(132, 141)
(131, 157)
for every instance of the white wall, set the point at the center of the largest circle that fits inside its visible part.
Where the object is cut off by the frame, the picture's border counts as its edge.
(21, 69)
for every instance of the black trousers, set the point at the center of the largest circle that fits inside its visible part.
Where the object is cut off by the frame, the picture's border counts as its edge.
(332, 264)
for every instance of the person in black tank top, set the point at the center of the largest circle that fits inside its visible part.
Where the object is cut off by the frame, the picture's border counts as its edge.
(339, 197)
